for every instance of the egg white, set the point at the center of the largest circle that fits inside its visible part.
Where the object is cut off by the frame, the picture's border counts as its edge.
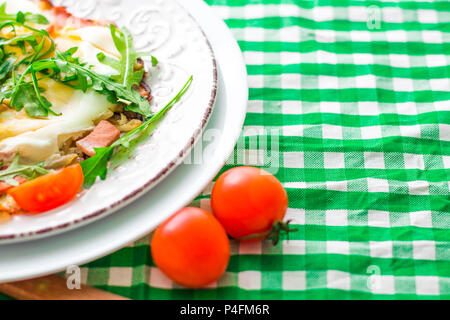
(38, 139)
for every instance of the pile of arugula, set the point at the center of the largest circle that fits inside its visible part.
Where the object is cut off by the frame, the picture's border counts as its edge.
(63, 67)
(20, 78)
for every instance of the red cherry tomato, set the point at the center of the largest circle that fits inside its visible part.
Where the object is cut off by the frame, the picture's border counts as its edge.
(191, 248)
(248, 202)
(50, 191)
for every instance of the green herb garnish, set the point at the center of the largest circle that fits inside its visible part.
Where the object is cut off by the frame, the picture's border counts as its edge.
(97, 166)
(21, 85)
(68, 70)
(16, 169)
(123, 41)
(21, 17)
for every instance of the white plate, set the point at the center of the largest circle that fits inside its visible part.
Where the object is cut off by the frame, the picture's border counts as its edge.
(31, 259)
(165, 29)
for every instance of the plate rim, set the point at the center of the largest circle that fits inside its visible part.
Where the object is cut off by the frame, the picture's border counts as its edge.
(143, 189)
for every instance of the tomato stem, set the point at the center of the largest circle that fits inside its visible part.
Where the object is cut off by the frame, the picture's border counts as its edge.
(274, 234)
(277, 228)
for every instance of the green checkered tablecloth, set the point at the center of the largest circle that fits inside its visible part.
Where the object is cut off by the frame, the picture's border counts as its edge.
(353, 100)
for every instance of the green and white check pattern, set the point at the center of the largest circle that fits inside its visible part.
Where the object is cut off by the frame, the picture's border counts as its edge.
(355, 96)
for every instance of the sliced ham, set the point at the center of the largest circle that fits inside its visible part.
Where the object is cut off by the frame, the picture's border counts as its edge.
(63, 18)
(5, 187)
(103, 135)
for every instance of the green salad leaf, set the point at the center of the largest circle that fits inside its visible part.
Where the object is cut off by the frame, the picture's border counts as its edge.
(6, 67)
(97, 166)
(26, 97)
(21, 17)
(123, 41)
(128, 76)
(67, 69)
(16, 169)
(37, 46)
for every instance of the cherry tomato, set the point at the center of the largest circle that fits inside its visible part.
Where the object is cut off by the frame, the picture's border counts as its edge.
(50, 191)
(191, 248)
(248, 202)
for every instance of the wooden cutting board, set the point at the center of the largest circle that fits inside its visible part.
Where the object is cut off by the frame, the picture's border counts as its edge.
(53, 288)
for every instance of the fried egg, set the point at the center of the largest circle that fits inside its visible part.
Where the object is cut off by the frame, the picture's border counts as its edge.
(36, 139)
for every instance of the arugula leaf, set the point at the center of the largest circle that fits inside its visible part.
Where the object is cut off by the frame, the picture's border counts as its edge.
(134, 134)
(128, 76)
(97, 166)
(67, 69)
(115, 91)
(123, 41)
(154, 61)
(124, 44)
(16, 169)
(21, 17)
(36, 18)
(36, 41)
(26, 97)
(6, 67)
(111, 62)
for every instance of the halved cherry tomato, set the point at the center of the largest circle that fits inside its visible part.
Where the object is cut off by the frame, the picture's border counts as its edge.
(191, 248)
(50, 191)
(249, 203)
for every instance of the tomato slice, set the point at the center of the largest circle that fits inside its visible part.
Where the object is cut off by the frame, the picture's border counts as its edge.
(50, 191)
